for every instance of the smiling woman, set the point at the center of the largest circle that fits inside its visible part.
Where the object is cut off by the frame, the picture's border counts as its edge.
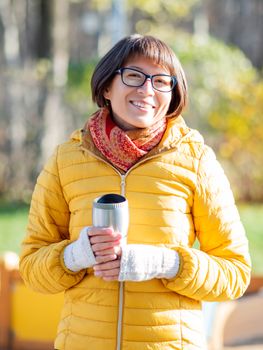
(147, 293)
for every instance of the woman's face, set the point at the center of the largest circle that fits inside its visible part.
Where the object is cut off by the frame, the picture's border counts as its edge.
(138, 107)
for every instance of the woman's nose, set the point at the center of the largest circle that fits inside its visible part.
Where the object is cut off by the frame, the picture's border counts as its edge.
(146, 87)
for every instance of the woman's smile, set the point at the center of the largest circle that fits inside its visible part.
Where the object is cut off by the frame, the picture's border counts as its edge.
(142, 105)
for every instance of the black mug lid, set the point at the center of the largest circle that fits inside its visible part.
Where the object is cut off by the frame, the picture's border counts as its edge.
(111, 198)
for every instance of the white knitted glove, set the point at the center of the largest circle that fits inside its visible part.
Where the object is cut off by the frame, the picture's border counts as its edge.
(141, 262)
(79, 255)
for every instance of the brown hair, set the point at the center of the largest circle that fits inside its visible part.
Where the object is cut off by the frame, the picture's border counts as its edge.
(148, 47)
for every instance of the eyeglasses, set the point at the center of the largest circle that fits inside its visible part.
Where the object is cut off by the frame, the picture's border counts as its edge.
(135, 78)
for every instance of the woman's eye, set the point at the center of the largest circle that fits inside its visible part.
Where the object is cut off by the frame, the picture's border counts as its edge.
(162, 81)
(134, 75)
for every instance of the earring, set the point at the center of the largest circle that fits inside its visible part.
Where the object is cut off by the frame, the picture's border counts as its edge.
(107, 102)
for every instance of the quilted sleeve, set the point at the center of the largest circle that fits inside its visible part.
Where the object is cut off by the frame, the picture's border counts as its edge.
(41, 266)
(221, 269)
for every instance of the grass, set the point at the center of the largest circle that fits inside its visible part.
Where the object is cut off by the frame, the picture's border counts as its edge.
(13, 225)
(252, 218)
(13, 221)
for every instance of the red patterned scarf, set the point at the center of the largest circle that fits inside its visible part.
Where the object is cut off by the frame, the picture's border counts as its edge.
(123, 148)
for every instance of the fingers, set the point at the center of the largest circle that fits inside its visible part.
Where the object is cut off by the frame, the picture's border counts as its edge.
(104, 241)
(99, 235)
(107, 248)
(106, 267)
(109, 271)
(102, 234)
(96, 231)
(105, 258)
(108, 274)
(116, 250)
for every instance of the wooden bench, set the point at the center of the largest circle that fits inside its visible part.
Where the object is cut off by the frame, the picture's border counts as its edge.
(226, 314)
(28, 320)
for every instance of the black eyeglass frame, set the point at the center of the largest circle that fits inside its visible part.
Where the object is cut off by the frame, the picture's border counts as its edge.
(147, 76)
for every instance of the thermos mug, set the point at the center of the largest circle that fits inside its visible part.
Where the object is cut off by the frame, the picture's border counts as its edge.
(111, 210)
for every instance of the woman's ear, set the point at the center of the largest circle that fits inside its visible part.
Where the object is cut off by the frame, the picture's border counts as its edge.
(106, 94)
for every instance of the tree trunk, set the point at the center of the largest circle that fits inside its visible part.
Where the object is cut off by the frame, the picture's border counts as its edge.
(238, 22)
(16, 171)
(56, 117)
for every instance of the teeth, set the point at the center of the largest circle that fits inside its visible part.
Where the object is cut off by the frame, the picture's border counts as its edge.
(141, 104)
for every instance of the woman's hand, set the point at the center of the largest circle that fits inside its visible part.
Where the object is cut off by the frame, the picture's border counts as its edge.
(105, 244)
(93, 246)
(106, 247)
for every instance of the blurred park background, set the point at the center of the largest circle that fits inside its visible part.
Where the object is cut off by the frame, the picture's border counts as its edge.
(48, 50)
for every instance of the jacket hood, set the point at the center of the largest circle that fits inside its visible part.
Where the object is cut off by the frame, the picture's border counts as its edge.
(178, 132)
(76, 135)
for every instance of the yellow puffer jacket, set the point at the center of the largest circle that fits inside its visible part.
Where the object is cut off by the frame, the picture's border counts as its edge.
(176, 194)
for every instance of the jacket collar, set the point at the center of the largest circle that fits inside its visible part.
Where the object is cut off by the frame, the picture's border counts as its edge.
(177, 132)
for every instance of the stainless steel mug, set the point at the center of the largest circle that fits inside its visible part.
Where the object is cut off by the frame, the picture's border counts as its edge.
(111, 210)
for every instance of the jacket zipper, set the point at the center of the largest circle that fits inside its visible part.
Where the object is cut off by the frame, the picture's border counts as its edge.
(121, 288)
